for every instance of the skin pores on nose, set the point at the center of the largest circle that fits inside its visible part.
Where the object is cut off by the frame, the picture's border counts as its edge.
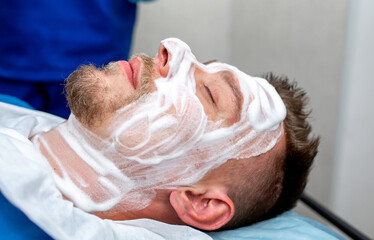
(168, 139)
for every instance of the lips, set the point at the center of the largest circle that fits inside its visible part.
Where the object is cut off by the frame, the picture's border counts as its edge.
(128, 71)
(135, 64)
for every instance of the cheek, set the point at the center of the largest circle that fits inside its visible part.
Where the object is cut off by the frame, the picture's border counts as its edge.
(143, 137)
(135, 136)
(146, 134)
(152, 133)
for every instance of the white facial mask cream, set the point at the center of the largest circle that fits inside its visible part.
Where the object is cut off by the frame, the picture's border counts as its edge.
(166, 140)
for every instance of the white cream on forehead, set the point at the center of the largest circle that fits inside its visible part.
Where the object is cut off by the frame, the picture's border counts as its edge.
(166, 140)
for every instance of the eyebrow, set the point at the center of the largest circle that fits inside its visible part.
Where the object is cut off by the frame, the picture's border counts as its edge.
(229, 78)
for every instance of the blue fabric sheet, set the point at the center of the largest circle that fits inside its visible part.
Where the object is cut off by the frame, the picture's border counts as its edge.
(14, 225)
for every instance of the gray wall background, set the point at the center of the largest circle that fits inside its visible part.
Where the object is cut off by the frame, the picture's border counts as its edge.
(326, 46)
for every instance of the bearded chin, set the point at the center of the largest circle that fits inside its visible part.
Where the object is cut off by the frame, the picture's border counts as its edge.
(85, 94)
(92, 102)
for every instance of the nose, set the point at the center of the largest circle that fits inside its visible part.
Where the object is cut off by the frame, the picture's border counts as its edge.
(164, 58)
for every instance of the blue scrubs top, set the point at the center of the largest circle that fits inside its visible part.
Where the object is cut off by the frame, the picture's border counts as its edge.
(44, 41)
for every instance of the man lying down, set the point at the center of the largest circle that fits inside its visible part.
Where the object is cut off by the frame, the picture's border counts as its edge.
(166, 138)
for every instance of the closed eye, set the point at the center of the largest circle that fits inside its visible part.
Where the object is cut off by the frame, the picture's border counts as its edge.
(210, 94)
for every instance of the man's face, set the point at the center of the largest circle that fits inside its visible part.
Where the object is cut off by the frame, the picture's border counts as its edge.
(121, 83)
(166, 121)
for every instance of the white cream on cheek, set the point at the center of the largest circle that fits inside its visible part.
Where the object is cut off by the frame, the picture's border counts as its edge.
(166, 140)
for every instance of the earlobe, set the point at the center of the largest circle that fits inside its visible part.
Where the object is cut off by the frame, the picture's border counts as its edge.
(206, 208)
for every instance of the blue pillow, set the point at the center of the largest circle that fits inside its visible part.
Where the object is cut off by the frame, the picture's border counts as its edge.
(288, 225)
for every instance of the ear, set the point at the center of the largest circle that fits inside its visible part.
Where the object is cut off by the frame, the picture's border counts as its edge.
(207, 208)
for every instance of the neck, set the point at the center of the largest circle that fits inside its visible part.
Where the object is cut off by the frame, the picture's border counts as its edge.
(92, 190)
(74, 177)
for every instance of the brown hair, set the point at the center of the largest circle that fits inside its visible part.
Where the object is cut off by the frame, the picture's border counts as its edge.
(279, 178)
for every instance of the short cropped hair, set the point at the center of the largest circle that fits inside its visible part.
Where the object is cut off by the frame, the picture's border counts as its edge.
(275, 186)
